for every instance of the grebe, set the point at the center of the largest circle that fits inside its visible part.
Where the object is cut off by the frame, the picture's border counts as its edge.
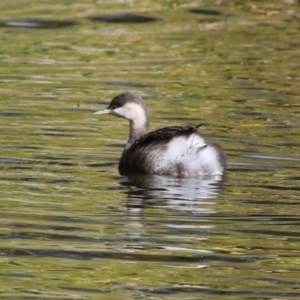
(173, 151)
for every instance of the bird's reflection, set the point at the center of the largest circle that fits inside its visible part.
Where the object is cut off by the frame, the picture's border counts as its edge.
(185, 194)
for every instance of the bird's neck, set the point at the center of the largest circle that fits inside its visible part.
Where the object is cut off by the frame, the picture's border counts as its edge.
(137, 130)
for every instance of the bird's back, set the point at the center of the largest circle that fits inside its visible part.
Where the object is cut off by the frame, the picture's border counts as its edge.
(173, 151)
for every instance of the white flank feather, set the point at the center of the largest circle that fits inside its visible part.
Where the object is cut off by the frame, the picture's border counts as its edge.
(188, 156)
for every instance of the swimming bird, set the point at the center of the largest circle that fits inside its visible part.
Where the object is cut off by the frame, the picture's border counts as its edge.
(177, 151)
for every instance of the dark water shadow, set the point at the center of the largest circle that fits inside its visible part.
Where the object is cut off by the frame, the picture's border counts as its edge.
(11, 160)
(181, 194)
(15, 114)
(38, 24)
(209, 12)
(200, 289)
(128, 84)
(124, 18)
(89, 255)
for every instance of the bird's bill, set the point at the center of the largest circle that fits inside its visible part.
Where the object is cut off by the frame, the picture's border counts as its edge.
(102, 112)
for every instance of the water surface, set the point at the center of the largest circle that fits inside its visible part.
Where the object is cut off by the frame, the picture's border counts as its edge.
(72, 228)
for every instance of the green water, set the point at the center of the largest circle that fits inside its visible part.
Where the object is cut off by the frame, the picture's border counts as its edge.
(72, 228)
